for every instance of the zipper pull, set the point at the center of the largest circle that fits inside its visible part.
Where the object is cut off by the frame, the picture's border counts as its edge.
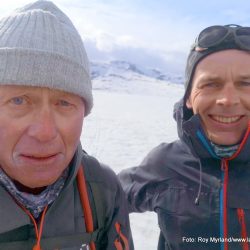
(224, 165)
(36, 247)
(240, 212)
(241, 218)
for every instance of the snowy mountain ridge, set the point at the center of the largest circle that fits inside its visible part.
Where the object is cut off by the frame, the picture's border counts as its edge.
(129, 71)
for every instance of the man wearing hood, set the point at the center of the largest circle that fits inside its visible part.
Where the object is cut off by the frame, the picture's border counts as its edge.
(52, 194)
(199, 184)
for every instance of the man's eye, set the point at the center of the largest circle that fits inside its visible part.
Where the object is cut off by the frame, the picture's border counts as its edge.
(211, 84)
(17, 100)
(245, 83)
(64, 103)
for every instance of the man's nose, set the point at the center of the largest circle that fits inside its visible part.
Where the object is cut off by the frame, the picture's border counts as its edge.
(228, 96)
(43, 126)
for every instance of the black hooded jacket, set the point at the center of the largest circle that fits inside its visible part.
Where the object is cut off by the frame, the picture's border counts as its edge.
(202, 201)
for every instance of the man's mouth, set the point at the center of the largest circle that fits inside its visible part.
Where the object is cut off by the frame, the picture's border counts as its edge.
(226, 119)
(39, 157)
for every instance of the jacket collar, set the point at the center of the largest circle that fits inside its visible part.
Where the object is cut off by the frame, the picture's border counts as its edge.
(17, 217)
(74, 166)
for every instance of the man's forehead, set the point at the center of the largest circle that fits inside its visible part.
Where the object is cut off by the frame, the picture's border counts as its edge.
(240, 60)
(219, 65)
(33, 89)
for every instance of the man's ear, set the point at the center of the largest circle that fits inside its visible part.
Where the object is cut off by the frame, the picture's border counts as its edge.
(188, 103)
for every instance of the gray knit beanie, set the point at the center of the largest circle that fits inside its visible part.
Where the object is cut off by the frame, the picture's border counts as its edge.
(39, 46)
(195, 56)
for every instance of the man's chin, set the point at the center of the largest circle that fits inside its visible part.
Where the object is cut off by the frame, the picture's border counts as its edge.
(225, 139)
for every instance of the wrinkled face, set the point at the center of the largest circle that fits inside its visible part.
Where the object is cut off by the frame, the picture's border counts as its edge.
(39, 133)
(221, 95)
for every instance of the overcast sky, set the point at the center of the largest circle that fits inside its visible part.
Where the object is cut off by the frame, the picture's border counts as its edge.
(154, 33)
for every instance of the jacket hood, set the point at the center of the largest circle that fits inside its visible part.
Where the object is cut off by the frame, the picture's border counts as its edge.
(181, 115)
(187, 126)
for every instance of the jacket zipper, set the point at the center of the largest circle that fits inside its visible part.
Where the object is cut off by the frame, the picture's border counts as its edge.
(223, 215)
(223, 192)
(39, 230)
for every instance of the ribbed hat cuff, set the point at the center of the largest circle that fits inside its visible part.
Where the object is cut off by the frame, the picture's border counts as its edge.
(27, 67)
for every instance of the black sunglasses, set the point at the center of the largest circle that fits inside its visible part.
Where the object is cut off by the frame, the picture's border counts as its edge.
(218, 35)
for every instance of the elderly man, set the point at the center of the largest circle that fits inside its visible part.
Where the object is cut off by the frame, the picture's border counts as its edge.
(199, 184)
(52, 194)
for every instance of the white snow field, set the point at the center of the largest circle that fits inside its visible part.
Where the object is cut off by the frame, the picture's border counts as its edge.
(127, 121)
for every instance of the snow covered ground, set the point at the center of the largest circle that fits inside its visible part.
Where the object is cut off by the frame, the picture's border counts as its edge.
(124, 127)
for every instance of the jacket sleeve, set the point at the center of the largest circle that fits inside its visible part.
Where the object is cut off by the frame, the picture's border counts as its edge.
(142, 184)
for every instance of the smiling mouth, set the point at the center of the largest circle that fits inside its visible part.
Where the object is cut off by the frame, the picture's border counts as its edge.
(226, 119)
(39, 157)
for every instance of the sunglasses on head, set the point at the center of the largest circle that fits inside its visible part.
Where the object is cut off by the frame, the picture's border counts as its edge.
(217, 35)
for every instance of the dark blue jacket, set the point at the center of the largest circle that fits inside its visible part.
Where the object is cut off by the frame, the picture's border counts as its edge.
(202, 201)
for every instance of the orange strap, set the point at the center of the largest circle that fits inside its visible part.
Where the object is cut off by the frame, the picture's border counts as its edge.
(122, 236)
(38, 231)
(81, 183)
(118, 245)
